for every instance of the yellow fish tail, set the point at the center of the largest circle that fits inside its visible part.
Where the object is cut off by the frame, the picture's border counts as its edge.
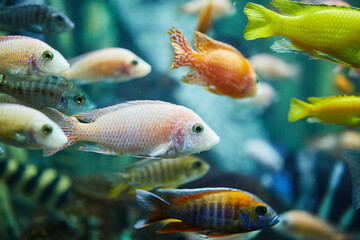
(260, 21)
(298, 110)
(119, 184)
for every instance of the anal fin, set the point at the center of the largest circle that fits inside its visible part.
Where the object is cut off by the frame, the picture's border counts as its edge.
(94, 147)
(174, 227)
(193, 77)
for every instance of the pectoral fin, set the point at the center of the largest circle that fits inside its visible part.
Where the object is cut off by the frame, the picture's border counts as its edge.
(174, 227)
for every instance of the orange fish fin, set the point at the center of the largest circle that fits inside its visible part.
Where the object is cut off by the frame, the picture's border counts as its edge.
(155, 208)
(205, 18)
(67, 125)
(94, 147)
(93, 115)
(177, 196)
(211, 234)
(216, 90)
(193, 77)
(204, 43)
(183, 50)
(174, 227)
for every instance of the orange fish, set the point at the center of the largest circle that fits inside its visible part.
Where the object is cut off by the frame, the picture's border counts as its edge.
(139, 128)
(343, 83)
(214, 212)
(218, 66)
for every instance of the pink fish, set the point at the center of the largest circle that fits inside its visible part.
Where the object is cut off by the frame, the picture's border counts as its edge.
(139, 128)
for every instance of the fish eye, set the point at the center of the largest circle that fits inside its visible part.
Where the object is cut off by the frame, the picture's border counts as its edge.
(256, 80)
(134, 62)
(47, 55)
(261, 210)
(196, 164)
(46, 129)
(198, 128)
(59, 18)
(79, 99)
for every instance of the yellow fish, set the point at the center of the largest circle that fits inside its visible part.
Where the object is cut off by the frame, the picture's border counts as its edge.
(158, 173)
(341, 110)
(316, 29)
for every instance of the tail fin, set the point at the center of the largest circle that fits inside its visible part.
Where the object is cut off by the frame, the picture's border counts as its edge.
(183, 50)
(153, 205)
(67, 124)
(260, 21)
(298, 110)
(352, 160)
(118, 182)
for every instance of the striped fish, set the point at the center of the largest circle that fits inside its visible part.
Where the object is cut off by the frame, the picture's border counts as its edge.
(156, 173)
(34, 18)
(214, 212)
(45, 186)
(56, 92)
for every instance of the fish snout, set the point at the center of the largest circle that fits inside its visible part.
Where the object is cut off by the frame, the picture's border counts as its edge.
(274, 221)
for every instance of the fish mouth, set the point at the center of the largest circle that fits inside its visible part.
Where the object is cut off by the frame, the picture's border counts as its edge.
(274, 221)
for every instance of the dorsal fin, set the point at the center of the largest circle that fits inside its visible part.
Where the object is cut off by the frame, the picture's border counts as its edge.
(315, 100)
(294, 8)
(139, 164)
(92, 115)
(204, 43)
(181, 195)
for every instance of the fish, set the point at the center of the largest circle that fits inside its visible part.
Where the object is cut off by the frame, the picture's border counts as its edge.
(4, 98)
(46, 187)
(25, 127)
(158, 173)
(205, 18)
(29, 58)
(304, 225)
(270, 66)
(34, 18)
(351, 158)
(335, 2)
(217, 66)
(341, 110)
(221, 8)
(153, 129)
(343, 83)
(55, 91)
(213, 212)
(111, 64)
(315, 29)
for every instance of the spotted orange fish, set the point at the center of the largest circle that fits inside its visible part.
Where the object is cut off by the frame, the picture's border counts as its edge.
(214, 212)
(217, 66)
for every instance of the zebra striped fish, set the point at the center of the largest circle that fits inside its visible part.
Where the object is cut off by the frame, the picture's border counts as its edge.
(158, 173)
(214, 212)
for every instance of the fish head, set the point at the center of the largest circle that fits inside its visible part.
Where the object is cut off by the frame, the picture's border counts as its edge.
(139, 68)
(257, 216)
(194, 167)
(50, 62)
(48, 134)
(193, 135)
(75, 100)
(58, 22)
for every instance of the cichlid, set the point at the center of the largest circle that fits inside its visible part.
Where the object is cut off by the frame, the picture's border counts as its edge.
(351, 158)
(29, 58)
(56, 92)
(112, 64)
(140, 128)
(28, 128)
(341, 110)
(158, 173)
(34, 18)
(316, 29)
(44, 186)
(214, 212)
(217, 66)
(205, 18)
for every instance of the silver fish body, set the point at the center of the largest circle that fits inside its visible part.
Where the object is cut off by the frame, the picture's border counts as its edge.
(34, 18)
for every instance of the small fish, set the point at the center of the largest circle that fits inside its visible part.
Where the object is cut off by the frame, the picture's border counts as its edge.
(29, 58)
(28, 128)
(140, 128)
(351, 158)
(221, 8)
(115, 64)
(205, 18)
(214, 212)
(343, 83)
(301, 224)
(270, 66)
(335, 2)
(34, 18)
(44, 186)
(158, 173)
(341, 110)
(56, 92)
(218, 66)
(316, 29)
